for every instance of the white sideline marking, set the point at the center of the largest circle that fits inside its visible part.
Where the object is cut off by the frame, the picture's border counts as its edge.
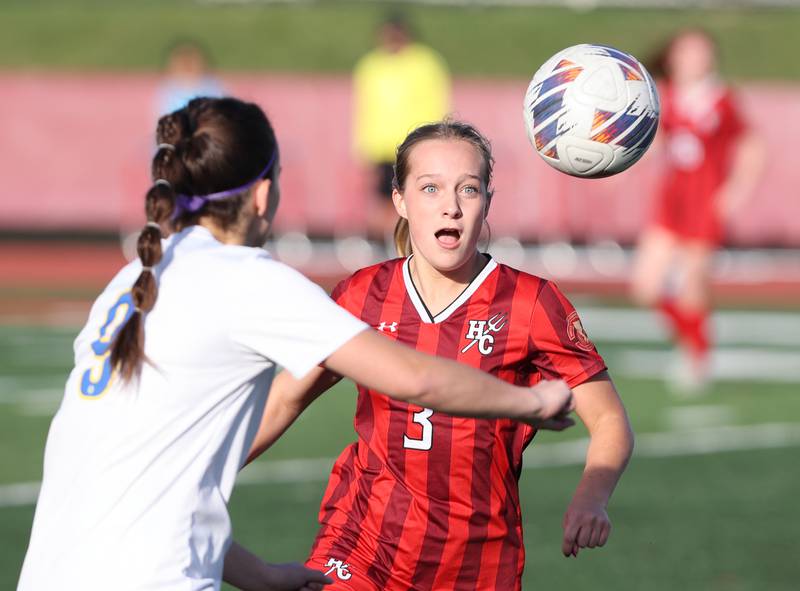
(699, 416)
(19, 494)
(757, 365)
(696, 441)
(729, 327)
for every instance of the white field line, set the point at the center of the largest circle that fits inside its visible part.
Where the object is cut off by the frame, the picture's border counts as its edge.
(757, 365)
(696, 441)
(729, 327)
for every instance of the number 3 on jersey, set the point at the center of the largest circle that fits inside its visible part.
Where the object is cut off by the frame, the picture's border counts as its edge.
(96, 379)
(426, 441)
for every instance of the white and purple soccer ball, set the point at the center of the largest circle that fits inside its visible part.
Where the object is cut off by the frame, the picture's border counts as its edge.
(591, 111)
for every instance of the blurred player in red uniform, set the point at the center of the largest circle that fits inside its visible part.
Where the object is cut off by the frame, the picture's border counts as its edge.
(713, 162)
(424, 500)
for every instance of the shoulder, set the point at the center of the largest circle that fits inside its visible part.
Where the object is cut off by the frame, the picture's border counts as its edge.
(369, 61)
(421, 51)
(372, 278)
(262, 268)
(525, 282)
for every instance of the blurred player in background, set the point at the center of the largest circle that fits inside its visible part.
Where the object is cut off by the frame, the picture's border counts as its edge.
(713, 162)
(187, 75)
(424, 500)
(172, 368)
(396, 87)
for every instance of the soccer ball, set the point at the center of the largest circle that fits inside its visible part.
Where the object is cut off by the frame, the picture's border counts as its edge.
(591, 111)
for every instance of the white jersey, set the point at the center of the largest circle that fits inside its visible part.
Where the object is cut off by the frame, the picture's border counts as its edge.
(137, 476)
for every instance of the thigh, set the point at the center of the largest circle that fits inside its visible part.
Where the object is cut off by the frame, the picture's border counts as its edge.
(652, 263)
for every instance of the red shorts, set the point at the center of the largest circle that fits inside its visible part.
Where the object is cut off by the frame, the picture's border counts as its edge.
(688, 217)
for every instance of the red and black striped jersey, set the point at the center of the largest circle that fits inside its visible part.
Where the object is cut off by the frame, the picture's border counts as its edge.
(424, 500)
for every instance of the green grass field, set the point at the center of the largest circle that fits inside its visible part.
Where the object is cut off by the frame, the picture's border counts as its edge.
(329, 36)
(694, 521)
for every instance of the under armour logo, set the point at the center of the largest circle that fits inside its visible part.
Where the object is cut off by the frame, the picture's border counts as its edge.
(340, 567)
(390, 326)
(480, 332)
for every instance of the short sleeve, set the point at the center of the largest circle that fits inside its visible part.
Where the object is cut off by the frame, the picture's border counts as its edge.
(290, 320)
(561, 349)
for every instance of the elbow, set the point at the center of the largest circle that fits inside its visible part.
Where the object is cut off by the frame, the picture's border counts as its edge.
(420, 387)
(629, 440)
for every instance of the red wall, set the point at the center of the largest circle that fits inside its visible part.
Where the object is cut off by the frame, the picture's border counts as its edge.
(75, 149)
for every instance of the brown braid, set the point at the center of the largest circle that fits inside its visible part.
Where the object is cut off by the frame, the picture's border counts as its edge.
(209, 145)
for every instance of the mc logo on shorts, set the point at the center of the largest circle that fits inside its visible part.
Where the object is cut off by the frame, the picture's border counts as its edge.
(340, 567)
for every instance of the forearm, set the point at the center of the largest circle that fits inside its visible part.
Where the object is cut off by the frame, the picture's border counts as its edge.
(439, 384)
(610, 449)
(276, 420)
(745, 171)
(456, 389)
(244, 570)
(287, 399)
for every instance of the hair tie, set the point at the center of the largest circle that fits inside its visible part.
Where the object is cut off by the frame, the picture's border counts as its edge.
(163, 182)
(165, 147)
(155, 225)
(194, 203)
(147, 269)
(138, 309)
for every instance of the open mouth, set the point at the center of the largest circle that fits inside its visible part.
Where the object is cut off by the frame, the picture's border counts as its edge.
(448, 237)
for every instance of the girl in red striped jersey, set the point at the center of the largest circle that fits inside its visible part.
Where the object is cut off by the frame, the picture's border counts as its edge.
(712, 163)
(424, 500)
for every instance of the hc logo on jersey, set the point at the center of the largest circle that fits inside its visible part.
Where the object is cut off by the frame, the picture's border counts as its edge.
(480, 333)
(340, 567)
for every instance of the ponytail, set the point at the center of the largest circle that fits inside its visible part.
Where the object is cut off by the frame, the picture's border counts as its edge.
(127, 352)
(202, 151)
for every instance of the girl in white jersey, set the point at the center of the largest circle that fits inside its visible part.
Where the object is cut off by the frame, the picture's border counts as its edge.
(171, 375)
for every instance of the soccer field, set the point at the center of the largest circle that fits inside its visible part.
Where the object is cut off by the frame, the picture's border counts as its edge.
(329, 35)
(707, 503)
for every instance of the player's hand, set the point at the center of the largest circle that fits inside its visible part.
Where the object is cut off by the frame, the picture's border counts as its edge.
(586, 525)
(294, 577)
(556, 403)
(728, 200)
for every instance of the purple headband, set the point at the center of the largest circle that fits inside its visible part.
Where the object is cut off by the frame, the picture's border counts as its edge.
(193, 203)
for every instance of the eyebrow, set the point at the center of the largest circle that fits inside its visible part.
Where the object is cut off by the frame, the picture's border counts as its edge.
(434, 175)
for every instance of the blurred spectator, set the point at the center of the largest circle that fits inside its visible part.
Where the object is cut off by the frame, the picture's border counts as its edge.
(187, 75)
(712, 163)
(397, 86)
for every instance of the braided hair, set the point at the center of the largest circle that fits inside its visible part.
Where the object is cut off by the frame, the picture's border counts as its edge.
(209, 146)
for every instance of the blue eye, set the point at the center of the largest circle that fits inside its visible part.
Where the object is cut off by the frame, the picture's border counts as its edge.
(470, 190)
(429, 189)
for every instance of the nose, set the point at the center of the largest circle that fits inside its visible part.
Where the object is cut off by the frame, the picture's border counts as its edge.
(452, 207)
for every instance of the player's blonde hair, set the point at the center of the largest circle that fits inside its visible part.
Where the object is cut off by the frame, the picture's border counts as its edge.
(204, 148)
(449, 129)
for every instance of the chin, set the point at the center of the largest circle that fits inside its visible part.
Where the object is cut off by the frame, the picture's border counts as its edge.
(448, 260)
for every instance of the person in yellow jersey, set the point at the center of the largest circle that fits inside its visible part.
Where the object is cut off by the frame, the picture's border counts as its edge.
(397, 86)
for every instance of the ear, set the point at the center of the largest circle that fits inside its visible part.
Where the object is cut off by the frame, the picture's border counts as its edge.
(261, 196)
(399, 203)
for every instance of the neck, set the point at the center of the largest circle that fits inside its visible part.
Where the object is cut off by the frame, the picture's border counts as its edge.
(439, 288)
(232, 235)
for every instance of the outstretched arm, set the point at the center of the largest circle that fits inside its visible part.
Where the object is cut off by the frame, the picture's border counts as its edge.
(405, 374)
(246, 571)
(586, 523)
(447, 386)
